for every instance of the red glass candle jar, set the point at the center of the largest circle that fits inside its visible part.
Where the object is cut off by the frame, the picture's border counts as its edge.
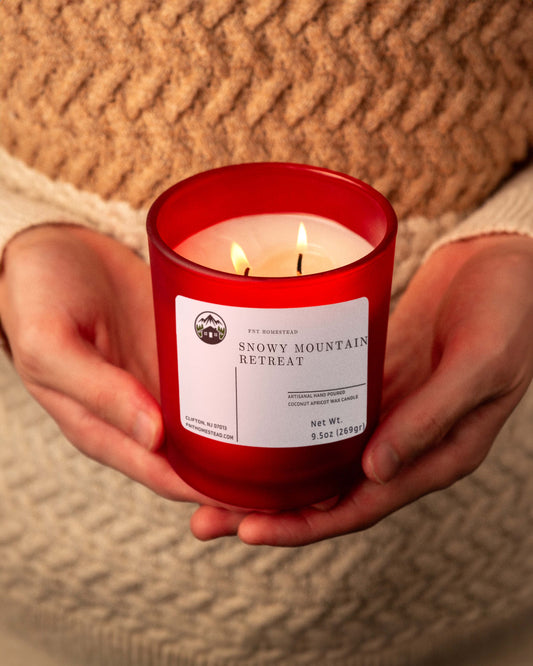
(270, 386)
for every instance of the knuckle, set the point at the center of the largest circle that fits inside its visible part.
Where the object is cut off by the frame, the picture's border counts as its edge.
(492, 367)
(469, 460)
(38, 345)
(103, 402)
(468, 449)
(28, 351)
(428, 430)
(496, 366)
(118, 401)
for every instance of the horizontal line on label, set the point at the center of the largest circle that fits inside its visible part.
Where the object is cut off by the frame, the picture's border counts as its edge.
(339, 388)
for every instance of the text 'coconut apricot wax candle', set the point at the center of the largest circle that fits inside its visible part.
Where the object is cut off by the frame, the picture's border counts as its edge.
(271, 286)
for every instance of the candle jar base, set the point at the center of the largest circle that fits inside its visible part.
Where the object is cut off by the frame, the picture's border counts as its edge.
(261, 479)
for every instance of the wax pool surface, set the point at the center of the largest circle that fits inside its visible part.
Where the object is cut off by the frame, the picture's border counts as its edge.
(269, 242)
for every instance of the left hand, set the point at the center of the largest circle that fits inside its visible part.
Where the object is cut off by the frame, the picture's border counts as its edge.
(459, 359)
(77, 309)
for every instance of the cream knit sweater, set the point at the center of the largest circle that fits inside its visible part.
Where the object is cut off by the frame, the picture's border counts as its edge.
(102, 105)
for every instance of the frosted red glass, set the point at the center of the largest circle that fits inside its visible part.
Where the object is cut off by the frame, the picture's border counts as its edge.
(255, 476)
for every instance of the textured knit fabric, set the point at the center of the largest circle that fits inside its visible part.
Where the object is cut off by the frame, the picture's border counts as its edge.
(102, 570)
(102, 105)
(430, 102)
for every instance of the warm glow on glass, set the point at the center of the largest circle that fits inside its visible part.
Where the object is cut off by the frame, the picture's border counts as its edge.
(239, 260)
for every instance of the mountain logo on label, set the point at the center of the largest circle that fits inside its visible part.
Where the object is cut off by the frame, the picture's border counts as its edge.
(210, 328)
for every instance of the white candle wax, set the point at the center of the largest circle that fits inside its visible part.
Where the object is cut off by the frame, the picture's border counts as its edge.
(269, 242)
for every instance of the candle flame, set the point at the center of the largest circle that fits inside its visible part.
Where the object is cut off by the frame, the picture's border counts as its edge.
(301, 243)
(238, 259)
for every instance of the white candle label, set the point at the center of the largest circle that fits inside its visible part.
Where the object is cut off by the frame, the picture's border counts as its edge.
(286, 377)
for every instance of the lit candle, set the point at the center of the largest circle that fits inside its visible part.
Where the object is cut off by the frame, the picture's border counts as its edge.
(270, 388)
(275, 245)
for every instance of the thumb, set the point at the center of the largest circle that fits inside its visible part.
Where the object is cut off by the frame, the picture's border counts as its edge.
(423, 419)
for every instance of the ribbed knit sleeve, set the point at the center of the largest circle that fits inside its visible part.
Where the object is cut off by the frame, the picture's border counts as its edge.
(28, 197)
(509, 210)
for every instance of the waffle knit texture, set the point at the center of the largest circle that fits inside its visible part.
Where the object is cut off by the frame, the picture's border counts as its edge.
(102, 105)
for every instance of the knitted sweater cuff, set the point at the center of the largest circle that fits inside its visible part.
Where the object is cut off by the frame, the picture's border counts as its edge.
(509, 210)
(28, 198)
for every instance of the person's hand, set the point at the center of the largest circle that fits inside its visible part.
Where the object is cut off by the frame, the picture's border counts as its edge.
(459, 358)
(77, 310)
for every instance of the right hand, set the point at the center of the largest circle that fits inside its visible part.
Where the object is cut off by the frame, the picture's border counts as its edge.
(459, 359)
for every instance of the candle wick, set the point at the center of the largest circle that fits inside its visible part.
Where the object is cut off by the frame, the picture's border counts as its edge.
(246, 271)
(299, 264)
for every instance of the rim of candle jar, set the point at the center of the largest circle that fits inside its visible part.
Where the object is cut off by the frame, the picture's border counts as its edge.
(196, 180)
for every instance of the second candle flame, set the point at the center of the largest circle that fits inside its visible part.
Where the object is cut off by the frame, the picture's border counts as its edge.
(301, 243)
(239, 260)
(301, 247)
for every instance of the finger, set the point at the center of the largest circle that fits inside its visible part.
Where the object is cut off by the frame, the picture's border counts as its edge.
(63, 361)
(111, 447)
(404, 340)
(327, 504)
(209, 522)
(298, 528)
(421, 421)
(368, 503)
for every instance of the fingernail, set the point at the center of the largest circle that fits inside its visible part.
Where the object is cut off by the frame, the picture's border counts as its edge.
(385, 463)
(144, 430)
(328, 504)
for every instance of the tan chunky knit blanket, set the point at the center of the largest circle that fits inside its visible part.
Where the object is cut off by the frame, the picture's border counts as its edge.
(102, 105)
